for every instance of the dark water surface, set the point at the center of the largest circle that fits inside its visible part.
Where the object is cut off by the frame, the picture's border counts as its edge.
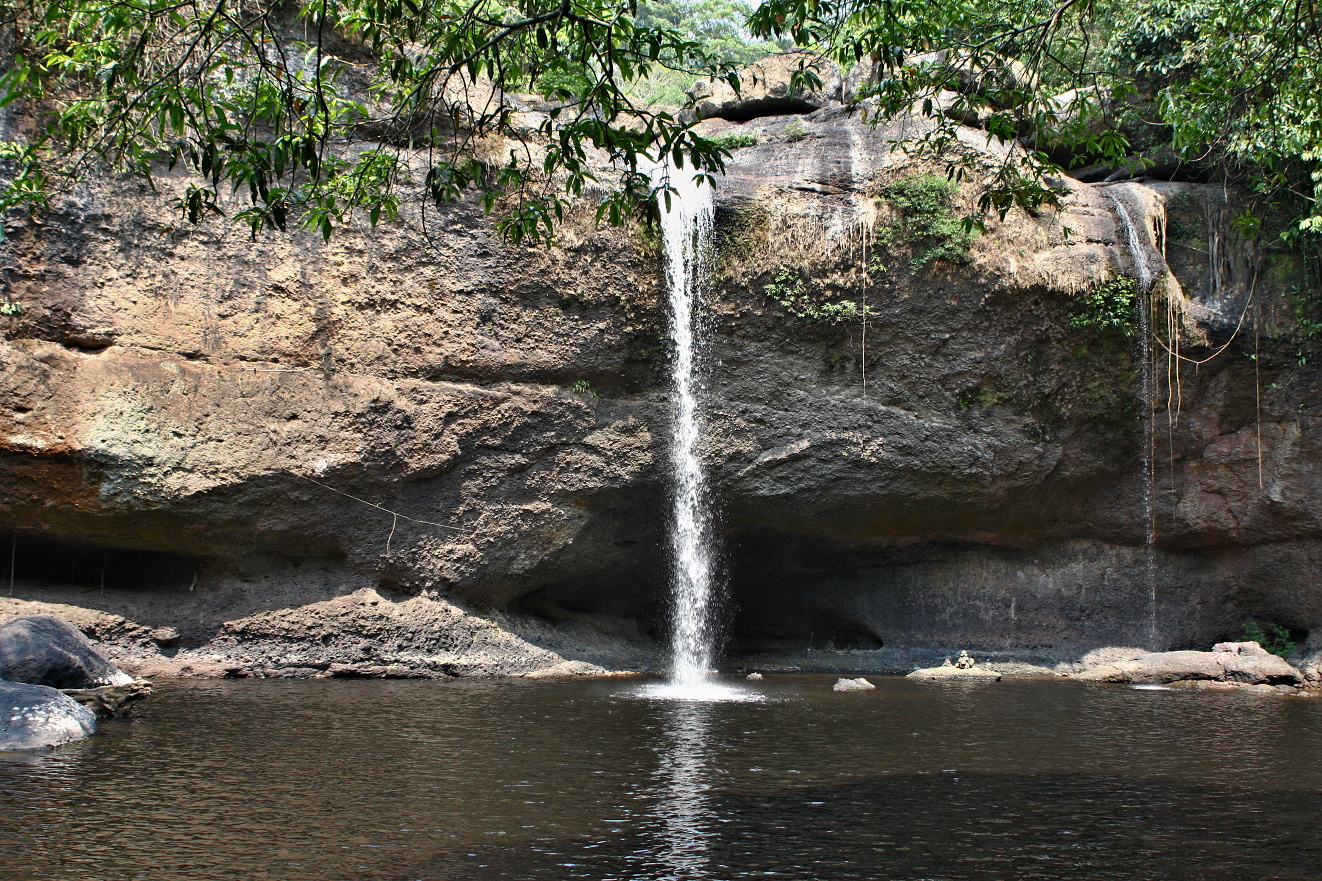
(529, 780)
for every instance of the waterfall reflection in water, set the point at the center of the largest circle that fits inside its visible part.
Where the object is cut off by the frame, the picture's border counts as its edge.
(684, 788)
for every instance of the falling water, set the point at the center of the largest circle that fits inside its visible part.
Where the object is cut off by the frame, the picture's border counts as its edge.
(1146, 276)
(686, 221)
(1137, 252)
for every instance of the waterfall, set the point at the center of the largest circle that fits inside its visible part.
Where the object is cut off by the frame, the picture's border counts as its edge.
(686, 221)
(1146, 277)
(1137, 252)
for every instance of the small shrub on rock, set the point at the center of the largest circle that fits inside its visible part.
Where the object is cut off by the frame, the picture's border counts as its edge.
(789, 291)
(1111, 306)
(928, 224)
(735, 140)
(1274, 638)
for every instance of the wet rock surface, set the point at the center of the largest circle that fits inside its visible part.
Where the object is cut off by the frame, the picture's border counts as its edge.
(34, 717)
(955, 674)
(111, 700)
(47, 650)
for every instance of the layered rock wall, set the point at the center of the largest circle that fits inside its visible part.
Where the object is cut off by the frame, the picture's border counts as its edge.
(195, 427)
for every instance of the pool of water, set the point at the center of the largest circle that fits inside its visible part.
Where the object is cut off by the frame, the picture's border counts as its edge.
(400, 780)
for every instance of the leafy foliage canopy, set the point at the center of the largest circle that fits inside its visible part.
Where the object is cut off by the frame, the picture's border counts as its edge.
(313, 109)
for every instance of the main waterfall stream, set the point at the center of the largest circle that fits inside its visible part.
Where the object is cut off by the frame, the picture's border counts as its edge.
(1145, 276)
(686, 222)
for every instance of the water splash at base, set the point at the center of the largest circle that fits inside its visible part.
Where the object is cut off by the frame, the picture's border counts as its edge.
(707, 691)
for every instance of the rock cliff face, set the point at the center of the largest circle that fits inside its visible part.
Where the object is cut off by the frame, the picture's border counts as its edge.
(195, 427)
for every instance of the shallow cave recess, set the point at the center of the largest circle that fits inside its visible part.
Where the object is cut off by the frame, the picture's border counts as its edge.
(44, 561)
(745, 111)
(774, 599)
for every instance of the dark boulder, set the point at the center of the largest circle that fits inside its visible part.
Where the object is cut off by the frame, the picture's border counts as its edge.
(37, 717)
(46, 650)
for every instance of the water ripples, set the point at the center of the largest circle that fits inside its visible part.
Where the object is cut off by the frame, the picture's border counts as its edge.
(399, 781)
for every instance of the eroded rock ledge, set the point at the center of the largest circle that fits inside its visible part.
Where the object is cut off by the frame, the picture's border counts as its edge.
(359, 635)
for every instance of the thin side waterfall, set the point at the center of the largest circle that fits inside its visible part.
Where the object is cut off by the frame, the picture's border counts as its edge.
(686, 224)
(1146, 277)
(1142, 262)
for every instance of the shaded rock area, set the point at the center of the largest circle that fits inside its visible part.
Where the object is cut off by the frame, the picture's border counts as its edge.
(36, 717)
(358, 635)
(47, 650)
(1308, 659)
(765, 89)
(1241, 663)
(364, 634)
(203, 437)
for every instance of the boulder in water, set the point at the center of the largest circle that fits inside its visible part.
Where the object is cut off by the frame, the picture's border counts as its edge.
(963, 670)
(1242, 663)
(38, 717)
(754, 677)
(46, 650)
(859, 684)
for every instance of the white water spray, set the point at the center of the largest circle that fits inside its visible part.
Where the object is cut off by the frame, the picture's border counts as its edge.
(1137, 252)
(686, 222)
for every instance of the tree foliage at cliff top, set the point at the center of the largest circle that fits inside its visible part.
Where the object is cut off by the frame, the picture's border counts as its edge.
(315, 109)
(1233, 87)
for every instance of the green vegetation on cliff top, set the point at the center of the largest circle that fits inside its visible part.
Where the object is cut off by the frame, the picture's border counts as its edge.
(315, 110)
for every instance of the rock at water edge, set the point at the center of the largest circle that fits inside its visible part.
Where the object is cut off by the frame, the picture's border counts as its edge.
(956, 674)
(1242, 663)
(38, 717)
(859, 684)
(46, 650)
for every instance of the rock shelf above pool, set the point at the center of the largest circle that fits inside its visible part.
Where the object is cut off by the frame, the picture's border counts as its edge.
(1243, 663)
